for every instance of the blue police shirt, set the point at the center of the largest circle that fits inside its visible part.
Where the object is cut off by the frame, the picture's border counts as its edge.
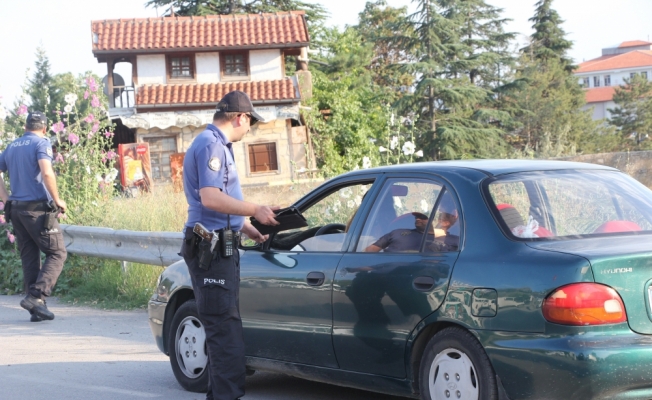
(20, 158)
(209, 163)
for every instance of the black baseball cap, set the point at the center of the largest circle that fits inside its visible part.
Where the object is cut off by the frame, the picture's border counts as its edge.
(36, 117)
(238, 101)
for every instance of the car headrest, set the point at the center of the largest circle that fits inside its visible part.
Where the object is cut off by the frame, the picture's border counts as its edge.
(618, 226)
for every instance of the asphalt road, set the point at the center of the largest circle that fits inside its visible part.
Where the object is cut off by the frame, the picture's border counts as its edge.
(87, 353)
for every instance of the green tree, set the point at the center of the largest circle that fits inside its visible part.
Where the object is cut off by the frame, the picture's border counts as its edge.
(456, 125)
(549, 39)
(38, 88)
(633, 114)
(549, 119)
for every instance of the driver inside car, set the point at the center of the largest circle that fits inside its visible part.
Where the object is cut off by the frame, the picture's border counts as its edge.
(404, 240)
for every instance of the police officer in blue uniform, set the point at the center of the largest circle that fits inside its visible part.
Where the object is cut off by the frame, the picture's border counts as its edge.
(32, 208)
(215, 200)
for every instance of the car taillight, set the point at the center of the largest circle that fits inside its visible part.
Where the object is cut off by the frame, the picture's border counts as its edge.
(584, 304)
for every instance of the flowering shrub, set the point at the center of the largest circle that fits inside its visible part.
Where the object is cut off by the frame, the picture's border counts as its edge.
(81, 155)
(397, 133)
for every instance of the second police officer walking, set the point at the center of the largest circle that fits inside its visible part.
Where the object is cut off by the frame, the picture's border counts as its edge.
(215, 200)
(32, 208)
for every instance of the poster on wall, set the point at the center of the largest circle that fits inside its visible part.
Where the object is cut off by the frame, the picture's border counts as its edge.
(135, 166)
(176, 169)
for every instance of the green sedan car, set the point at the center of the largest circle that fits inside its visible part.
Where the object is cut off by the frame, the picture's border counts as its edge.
(488, 279)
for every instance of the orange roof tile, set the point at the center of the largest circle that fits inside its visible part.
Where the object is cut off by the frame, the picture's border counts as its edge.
(211, 93)
(632, 59)
(282, 29)
(634, 43)
(597, 95)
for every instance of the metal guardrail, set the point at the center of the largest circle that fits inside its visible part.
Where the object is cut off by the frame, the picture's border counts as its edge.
(154, 248)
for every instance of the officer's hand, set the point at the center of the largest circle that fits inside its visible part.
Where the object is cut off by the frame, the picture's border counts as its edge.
(253, 234)
(61, 204)
(265, 215)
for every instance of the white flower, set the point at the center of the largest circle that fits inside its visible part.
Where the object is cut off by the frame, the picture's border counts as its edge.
(111, 176)
(67, 108)
(327, 212)
(98, 178)
(346, 193)
(336, 206)
(88, 170)
(419, 153)
(358, 200)
(393, 143)
(397, 202)
(382, 149)
(366, 162)
(3, 113)
(350, 204)
(391, 119)
(424, 205)
(357, 167)
(408, 148)
(70, 98)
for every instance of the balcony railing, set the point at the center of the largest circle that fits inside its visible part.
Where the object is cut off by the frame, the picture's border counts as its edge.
(123, 97)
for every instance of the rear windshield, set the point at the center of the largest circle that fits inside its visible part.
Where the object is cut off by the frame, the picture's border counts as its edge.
(570, 204)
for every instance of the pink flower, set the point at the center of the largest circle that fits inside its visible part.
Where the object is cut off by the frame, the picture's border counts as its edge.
(86, 94)
(21, 110)
(95, 127)
(90, 135)
(111, 155)
(92, 85)
(90, 118)
(58, 158)
(2, 206)
(58, 127)
(2, 219)
(108, 134)
(95, 102)
(72, 138)
(11, 237)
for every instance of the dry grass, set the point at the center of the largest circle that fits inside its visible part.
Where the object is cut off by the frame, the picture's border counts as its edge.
(163, 210)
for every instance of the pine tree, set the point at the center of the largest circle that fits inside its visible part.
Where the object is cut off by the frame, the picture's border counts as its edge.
(549, 39)
(454, 125)
(633, 114)
(38, 88)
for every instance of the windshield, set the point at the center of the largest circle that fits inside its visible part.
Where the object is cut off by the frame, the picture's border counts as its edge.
(570, 204)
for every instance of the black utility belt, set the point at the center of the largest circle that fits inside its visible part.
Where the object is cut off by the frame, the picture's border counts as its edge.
(222, 242)
(40, 205)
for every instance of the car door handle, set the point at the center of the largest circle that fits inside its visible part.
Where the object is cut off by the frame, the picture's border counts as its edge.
(316, 278)
(423, 283)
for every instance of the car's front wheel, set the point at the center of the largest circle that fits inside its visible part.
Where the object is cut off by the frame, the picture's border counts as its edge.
(455, 366)
(187, 344)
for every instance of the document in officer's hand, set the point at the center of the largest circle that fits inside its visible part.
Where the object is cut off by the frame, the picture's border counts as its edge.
(288, 218)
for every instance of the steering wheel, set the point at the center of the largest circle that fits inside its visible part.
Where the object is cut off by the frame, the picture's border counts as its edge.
(330, 227)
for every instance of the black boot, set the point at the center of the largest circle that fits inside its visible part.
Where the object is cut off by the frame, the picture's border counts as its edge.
(37, 307)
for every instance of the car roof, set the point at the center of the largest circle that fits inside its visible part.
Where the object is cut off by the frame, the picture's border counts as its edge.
(489, 167)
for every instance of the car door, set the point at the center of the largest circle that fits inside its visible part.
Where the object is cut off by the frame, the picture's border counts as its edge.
(286, 289)
(396, 273)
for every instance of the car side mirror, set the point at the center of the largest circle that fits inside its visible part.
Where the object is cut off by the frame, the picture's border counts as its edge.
(248, 244)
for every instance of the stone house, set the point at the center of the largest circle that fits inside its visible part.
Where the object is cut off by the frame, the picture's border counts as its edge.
(180, 67)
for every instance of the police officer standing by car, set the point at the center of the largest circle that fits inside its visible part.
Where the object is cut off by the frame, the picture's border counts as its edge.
(215, 201)
(32, 207)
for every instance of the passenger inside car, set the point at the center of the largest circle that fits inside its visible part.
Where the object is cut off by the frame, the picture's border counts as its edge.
(404, 240)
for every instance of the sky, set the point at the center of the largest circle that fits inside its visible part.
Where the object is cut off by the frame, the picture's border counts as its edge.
(62, 28)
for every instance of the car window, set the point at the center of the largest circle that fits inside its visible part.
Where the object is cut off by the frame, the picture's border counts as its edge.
(571, 203)
(400, 220)
(328, 222)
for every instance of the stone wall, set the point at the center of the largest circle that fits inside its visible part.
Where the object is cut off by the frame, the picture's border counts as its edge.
(637, 164)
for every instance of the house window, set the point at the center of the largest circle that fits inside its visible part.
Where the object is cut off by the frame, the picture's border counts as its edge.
(607, 80)
(181, 66)
(585, 82)
(235, 64)
(632, 75)
(596, 81)
(160, 149)
(644, 74)
(262, 157)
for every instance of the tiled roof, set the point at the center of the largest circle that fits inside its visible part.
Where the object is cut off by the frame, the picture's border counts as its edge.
(634, 43)
(282, 29)
(597, 95)
(211, 93)
(632, 59)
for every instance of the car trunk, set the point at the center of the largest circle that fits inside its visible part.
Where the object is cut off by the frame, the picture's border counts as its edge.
(623, 263)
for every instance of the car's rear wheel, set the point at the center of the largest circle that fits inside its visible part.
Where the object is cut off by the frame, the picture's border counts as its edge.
(455, 366)
(187, 344)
